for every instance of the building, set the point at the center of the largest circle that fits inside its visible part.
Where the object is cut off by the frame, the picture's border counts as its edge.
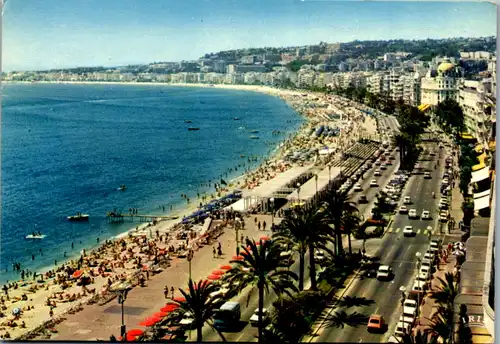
(219, 66)
(374, 83)
(441, 84)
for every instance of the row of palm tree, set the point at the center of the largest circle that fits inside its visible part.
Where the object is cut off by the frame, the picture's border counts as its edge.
(304, 232)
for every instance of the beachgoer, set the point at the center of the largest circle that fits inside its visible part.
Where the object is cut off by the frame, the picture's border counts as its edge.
(264, 225)
(214, 251)
(258, 225)
(172, 290)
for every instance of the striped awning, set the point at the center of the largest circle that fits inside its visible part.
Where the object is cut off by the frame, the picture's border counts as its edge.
(481, 174)
(482, 202)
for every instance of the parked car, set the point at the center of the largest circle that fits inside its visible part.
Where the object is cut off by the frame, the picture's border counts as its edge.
(376, 173)
(407, 200)
(376, 323)
(384, 272)
(403, 210)
(426, 215)
(373, 183)
(427, 175)
(363, 199)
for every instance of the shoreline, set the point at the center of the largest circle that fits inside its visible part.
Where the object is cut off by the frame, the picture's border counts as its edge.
(276, 153)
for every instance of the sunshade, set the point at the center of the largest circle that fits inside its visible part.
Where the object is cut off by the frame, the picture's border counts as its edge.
(214, 277)
(217, 272)
(150, 321)
(77, 273)
(169, 308)
(179, 299)
(135, 332)
(240, 257)
(225, 267)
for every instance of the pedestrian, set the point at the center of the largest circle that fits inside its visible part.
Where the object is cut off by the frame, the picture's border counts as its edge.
(258, 225)
(219, 251)
(165, 291)
(214, 251)
(51, 312)
(264, 225)
(172, 290)
(255, 219)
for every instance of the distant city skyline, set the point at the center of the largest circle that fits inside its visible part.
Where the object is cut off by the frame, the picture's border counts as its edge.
(67, 33)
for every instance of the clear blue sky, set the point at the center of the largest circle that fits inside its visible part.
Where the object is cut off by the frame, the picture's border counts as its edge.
(41, 34)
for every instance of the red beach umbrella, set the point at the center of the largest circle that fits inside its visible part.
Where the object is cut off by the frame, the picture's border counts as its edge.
(257, 243)
(240, 257)
(77, 273)
(135, 332)
(179, 299)
(130, 338)
(168, 308)
(214, 277)
(160, 314)
(217, 272)
(225, 267)
(150, 321)
(265, 238)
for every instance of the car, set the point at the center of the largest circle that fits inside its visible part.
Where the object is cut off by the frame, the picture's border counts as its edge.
(363, 199)
(383, 167)
(410, 307)
(443, 216)
(408, 231)
(427, 263)
(425, 269)
(427, 175)
(407, 319)
(407, 200)
(254, 319)
(319, 255)
(402, 328)
(426, 215)
(392, 158)
(376, 173)
(376, 323)
(388, 162)
(412, 214)
(358, 188)
(429, 256)
(373, 183)
(424, 274)
(419, 286)
(384, 272)
(378, 163)
(422, 278)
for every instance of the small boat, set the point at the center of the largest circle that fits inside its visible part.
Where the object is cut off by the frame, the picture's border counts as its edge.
(35, 235)
(253, 137)
(254, 131)
(187, 121)
(236, 118)
(241, 128)
(122, 187)
(78, 217)
(193, 129)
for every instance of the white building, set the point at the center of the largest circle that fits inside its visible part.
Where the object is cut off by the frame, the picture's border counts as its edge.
(440, 84)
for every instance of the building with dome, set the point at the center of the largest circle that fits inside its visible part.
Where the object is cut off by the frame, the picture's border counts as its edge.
(440, 84)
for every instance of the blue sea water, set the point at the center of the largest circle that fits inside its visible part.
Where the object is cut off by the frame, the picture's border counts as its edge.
(66, 149)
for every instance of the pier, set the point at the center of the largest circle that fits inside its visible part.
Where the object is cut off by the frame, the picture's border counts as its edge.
(116, 217)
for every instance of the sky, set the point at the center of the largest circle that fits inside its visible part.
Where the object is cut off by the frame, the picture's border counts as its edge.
(45, 34)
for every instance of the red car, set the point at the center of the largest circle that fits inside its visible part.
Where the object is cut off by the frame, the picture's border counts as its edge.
(376, 323)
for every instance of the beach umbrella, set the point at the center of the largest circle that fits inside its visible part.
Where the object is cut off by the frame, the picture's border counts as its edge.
(225, 267)
(135, 332)
(265, 238)
(169, 308)
(150, 321)
(217, 272)
(239, 257)
(257, 243)
(77, 273)
(179, 299)
(214, 277)
(160, 314)
(16, 311)
(130, 338)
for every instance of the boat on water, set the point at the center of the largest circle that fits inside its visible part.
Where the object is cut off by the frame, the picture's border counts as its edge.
(236, 118)
(35, 235)
(253, 137)
(78, 217)
(193, 129)
(254, 131)
(122, 187)
(188, 121)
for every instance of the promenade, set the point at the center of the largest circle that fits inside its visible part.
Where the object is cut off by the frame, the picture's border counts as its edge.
(96, 322)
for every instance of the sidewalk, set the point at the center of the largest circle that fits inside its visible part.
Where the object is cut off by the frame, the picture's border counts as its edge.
(428, 305)
(100, 322)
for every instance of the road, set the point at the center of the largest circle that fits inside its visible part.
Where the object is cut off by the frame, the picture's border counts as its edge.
(397, 251)
(249, 333)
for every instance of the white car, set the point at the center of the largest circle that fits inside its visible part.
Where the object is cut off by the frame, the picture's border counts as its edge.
(319, 256)
(410, 307)
(426, 263)
(407, 200)
(427, 175)
(408, 319)
(403, 210)
(412, 214)
(254, 319)
(419, 286)
(443, 216)
(376, 173)
(373, 182)
(384, 272)
(408, 231)
(358, 188)
(424, 274)
(426, 215)
(401, 329)
(429, 256)
(425, 270)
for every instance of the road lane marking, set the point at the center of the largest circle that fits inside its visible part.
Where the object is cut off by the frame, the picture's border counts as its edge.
(389, 230)
(418, 231)
(398, 229)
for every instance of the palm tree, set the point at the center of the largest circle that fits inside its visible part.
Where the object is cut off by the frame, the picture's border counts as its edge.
(337, 206)
(447, 291)
(421, 337)
(199, 304)
(351, 221)
(262, 267)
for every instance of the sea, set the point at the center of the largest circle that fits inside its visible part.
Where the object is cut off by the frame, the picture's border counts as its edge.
(66, 148)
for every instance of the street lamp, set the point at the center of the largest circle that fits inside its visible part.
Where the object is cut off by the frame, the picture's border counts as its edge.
(364, 248)
(122, 291)
(402, 289)
(236, 232)
(272, 212)
(329, 173)
(298, 192)
(419, 261)
(190, 256)
(316, 177)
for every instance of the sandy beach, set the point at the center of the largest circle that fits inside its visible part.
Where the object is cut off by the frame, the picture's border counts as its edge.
(148, 248)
